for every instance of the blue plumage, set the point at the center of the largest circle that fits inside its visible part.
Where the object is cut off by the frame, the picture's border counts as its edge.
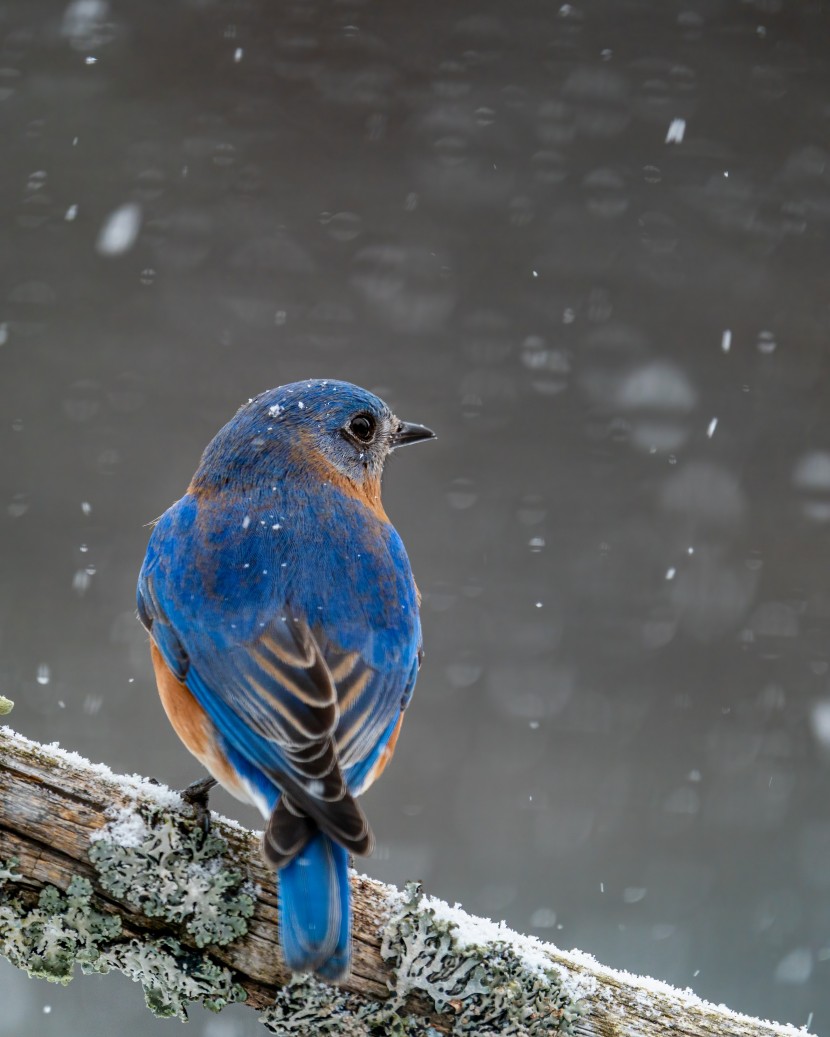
(315, 909)
(284, 619)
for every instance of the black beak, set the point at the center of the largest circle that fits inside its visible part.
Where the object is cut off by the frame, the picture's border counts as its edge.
(407, 432)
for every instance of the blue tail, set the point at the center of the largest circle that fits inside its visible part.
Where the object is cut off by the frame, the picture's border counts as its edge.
(315, 909)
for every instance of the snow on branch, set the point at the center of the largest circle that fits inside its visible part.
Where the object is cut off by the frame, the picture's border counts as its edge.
(109, 871)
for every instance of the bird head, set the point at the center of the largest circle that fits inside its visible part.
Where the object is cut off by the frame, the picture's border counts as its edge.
(329, 425)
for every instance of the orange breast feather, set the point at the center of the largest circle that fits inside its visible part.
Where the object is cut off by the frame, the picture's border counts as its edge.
(193, 726)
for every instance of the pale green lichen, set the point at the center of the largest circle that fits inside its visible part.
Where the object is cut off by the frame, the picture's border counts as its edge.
(171, 976)
(486, 988)
(168, 871)
(46, 940)
(306, 1006)
(142, 858)
(8, 872)
(6, 706)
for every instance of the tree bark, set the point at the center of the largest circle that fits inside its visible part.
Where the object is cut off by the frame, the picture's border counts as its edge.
(416, 964)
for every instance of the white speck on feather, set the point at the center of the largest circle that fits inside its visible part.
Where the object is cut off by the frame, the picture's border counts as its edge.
(246, 522)
(274, 410)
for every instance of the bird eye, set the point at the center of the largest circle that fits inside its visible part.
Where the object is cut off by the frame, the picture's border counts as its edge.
(363, 427)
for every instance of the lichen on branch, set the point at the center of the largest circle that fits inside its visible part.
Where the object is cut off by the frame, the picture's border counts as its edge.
(149, 859)
(109, 871)
(485, 984)
(47, 939)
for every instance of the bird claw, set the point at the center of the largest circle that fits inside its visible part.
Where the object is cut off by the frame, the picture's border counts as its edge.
(196, 795)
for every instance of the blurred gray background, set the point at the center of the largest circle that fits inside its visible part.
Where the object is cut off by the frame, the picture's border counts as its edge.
(589, 244)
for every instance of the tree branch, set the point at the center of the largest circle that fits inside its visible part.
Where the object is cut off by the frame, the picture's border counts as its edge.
(110, 872)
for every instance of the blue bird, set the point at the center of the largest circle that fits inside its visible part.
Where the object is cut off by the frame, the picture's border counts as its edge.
(285, 636)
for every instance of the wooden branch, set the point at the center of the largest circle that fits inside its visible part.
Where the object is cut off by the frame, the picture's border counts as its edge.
(110, 871)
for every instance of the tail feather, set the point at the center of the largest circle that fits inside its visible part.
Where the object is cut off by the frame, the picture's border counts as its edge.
(340, 817)
(315, 909)
(287, 832)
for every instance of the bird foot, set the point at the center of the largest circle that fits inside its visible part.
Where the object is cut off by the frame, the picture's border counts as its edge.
(196, 795)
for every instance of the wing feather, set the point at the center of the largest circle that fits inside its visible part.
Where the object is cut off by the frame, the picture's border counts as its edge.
(291, 705)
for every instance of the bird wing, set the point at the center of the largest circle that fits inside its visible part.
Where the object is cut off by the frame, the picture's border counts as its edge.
(291, 705)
